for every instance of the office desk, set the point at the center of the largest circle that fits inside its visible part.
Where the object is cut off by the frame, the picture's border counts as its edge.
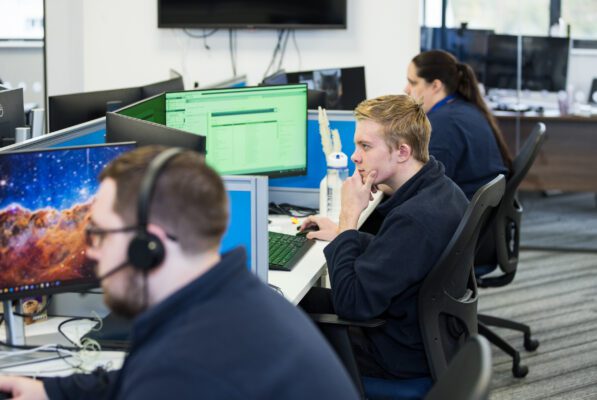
(568, 159)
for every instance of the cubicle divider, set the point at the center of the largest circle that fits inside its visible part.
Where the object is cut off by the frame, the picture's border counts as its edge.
(304, 190)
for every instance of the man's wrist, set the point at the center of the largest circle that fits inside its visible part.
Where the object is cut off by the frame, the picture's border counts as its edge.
(348, 220)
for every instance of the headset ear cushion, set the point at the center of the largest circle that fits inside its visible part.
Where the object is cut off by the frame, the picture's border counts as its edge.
(146, 251)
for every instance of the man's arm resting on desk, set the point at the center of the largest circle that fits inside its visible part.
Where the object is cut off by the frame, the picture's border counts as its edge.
(80, 386)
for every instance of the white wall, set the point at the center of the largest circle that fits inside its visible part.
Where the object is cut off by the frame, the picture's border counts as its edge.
(122, 46)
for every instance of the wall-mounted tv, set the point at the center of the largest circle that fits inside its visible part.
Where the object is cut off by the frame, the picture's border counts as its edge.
(234, 14)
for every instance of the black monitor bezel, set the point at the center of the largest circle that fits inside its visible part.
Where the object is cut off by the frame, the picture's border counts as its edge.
(75, 285)
(272, 173)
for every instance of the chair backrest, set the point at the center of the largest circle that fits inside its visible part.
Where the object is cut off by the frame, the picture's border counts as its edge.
(503, 227)
(468, 375)
(448, 296)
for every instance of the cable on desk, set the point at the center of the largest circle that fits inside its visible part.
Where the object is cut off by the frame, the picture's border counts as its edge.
(291, 210)
(276, 289)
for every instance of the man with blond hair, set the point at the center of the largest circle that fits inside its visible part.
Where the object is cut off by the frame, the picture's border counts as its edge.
(377, 271)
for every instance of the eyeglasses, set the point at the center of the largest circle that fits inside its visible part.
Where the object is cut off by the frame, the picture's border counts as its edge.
(94, 236)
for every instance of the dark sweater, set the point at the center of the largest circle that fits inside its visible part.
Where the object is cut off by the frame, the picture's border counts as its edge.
(462, 140)
(379, 275)
(224, 336)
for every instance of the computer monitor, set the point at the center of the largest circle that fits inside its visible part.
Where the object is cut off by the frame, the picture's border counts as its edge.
(85, 134)
(234, 82)
(72, 109)
(277, 78)
(152, 109)
(45, 199)
(248, 200)
(170, 85)
(545, 63)
(345, 87)
(501, 62)
(249, 131)
(467, 45)
(121, 128)
(12, 115)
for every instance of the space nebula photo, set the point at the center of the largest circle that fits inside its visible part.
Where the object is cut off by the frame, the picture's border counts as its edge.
(45, 199)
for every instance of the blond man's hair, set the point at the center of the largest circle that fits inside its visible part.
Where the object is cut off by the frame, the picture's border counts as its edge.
(403, 121)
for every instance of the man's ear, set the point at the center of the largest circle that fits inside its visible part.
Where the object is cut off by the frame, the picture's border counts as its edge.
(402, 153)
(157, 231)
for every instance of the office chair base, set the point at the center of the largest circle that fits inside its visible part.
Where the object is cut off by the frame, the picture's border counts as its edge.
(530, 344)
(518, 370)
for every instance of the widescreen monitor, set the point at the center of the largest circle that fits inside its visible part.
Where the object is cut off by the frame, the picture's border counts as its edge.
(45, 199)
(500, 68)
(72, 109)
(544, 63)
(344, 87)
(12, 115)
(249, 131)
(121, 128)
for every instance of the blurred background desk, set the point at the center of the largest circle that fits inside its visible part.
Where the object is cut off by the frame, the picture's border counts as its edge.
(567, 160)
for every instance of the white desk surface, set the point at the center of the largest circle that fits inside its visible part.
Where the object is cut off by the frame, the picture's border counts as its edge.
(296, 283)
(86, 362)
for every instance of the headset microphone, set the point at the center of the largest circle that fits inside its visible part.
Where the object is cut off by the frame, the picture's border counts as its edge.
(113, 270)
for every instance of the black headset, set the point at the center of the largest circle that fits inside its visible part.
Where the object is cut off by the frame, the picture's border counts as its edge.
(146, 250)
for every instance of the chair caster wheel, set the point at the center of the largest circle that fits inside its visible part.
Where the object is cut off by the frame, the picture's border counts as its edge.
(520, 371)
(530, 344)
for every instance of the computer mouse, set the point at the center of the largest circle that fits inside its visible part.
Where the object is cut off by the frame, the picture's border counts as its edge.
(308, 229)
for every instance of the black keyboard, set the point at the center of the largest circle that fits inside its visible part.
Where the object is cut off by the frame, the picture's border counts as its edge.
(286, 250)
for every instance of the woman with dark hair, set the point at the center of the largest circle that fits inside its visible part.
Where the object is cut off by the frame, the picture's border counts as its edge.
(465, 136)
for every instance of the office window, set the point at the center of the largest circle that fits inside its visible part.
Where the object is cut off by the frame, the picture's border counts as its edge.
(513, 17)
(581, 15)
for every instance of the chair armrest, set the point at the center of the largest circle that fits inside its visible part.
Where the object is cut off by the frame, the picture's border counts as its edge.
(333, 319)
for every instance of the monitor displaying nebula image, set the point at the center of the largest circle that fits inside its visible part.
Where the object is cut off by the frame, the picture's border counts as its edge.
(45, 200)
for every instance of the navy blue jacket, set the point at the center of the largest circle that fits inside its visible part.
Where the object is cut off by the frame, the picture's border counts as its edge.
(379, 275)
(224, 336)
(462, 139)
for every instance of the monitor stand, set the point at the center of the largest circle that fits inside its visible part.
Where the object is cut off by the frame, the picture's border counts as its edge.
(15, 336)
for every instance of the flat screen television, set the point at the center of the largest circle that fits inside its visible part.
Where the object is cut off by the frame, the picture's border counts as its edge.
(234, 14)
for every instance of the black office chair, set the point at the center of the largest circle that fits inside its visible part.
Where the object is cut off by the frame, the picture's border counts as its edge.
(447, 306)
(468, 375)
(498, 247)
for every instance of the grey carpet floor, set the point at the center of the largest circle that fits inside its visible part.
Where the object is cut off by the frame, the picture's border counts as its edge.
(562, 221)
(556, 294)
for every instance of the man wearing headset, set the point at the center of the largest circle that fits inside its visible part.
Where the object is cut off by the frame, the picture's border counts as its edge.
(204, 326)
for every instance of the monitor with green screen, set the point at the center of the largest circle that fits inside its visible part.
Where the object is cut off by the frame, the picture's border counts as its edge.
(249, 130)
(151, 109)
